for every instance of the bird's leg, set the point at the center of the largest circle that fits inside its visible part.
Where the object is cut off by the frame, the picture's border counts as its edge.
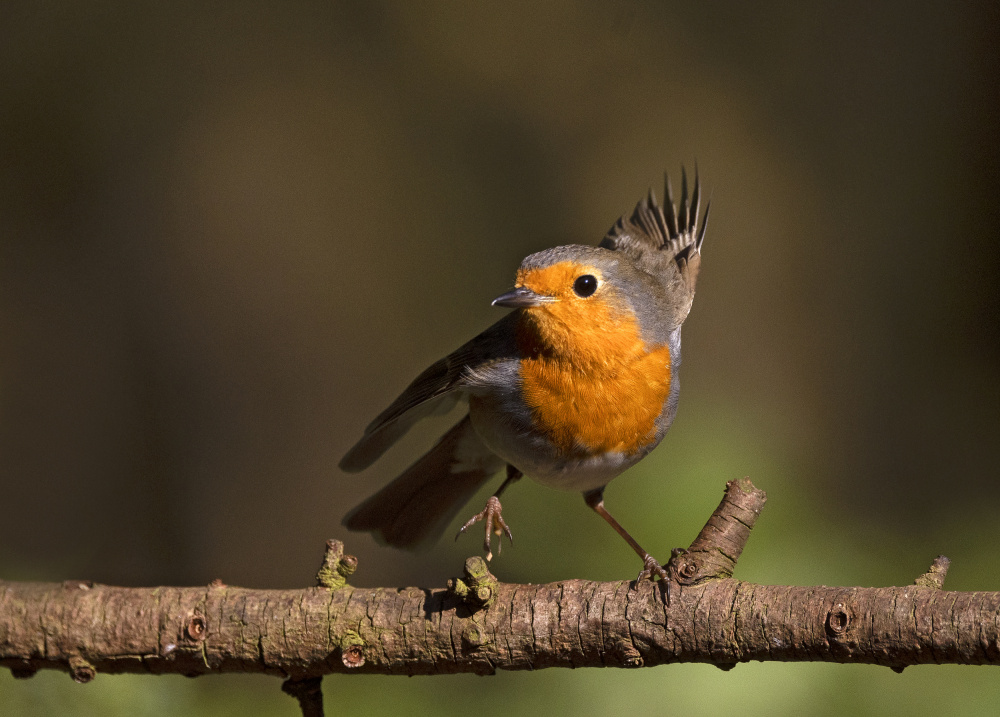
(495, 524)
(650, 566)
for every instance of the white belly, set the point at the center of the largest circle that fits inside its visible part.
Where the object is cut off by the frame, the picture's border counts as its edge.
(537, 458)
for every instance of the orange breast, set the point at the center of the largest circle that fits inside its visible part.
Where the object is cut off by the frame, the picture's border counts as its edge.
(590, 381)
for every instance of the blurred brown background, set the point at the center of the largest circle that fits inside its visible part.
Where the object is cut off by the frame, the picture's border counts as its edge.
(231, 233)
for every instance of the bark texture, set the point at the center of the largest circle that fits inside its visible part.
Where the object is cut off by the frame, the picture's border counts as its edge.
(479, 625)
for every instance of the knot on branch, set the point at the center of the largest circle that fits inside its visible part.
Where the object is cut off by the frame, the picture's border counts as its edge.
(838, 620)
(336, 567)
(478, 588)
(352, 650)
(196, 629)
(685, 568)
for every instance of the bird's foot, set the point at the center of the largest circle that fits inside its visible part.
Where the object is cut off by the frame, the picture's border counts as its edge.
(495, 525)
(651, 569)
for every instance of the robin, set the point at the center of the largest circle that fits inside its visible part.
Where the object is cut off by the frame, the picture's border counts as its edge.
(575, 385)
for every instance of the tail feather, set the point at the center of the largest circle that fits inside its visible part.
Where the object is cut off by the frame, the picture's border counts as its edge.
(417, 506)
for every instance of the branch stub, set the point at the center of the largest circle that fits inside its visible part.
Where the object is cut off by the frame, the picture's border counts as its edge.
(80, 670)
(336, 567)
(478, 588)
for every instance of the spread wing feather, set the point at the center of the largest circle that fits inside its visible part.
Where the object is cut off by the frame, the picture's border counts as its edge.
(433, 392)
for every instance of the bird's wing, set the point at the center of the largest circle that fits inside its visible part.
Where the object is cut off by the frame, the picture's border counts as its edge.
(433, 392)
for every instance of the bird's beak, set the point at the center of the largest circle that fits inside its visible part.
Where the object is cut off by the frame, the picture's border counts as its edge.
(521, 298)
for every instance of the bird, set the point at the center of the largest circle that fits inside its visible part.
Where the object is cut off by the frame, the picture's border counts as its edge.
(575, 385)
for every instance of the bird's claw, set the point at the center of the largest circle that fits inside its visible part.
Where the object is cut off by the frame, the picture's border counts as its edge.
(651, 569)
(495, 525)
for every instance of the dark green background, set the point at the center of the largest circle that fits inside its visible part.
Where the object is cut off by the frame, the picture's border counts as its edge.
(231, 233)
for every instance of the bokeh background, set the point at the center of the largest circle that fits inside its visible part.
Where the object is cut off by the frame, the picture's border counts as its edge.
(231, 233)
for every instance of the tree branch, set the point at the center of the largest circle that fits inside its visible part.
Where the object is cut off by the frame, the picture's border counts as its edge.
(480, 625)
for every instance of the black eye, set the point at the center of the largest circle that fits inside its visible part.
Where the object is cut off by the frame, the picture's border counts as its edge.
(585, 285)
